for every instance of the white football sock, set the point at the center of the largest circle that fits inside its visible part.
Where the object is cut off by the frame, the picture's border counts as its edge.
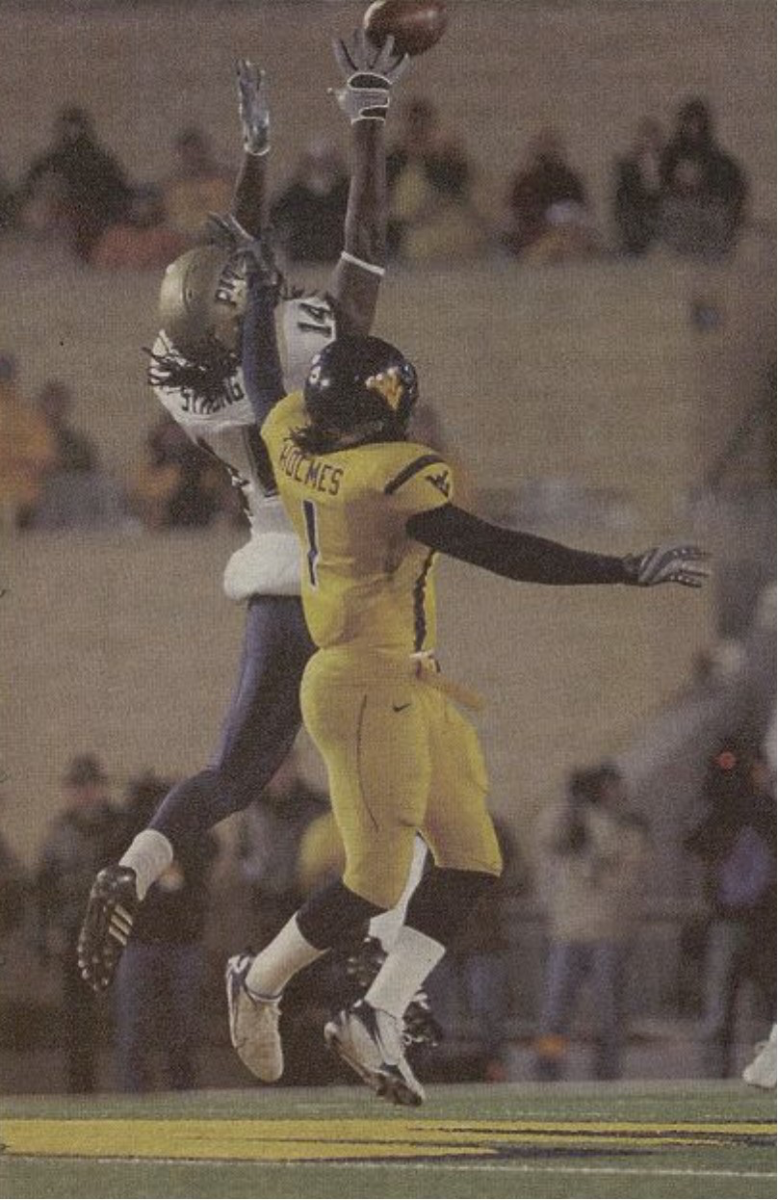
(408, 964)
(387, 925)
(274, 966)
(149, 855)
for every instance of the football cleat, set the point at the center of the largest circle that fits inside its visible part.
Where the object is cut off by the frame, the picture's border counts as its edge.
(366, 961)
(421, 1028)
(761, 1071)
(110, 914)
(253, 1023)
(371, 1043)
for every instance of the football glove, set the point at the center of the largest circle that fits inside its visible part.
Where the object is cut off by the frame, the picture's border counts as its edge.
(369, 73)
(253, 107)
(253, 255)
(686, 565)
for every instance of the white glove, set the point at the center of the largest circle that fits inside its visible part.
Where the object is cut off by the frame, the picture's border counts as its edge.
(668, 564)
(253, 107)
(369, 72)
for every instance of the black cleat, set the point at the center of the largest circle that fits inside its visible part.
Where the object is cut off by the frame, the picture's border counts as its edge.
(366, 961)
(110, 913)
(420, 1026)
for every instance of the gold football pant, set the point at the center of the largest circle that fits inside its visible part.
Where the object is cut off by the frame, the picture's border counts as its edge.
(400, 758)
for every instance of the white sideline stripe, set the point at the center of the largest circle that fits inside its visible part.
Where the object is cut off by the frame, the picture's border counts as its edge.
(434, 1164)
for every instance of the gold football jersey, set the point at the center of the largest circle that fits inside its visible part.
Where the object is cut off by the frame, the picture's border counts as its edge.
(364, 581)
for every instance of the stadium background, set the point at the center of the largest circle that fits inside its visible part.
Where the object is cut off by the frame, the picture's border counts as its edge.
(593, 373)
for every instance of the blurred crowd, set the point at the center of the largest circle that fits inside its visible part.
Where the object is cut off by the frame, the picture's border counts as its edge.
(595, 851)
(51, 477)
(678, 187)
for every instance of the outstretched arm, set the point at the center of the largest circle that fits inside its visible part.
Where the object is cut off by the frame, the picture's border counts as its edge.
(249, 202)
(529, 559)
(260, 358)
(369, 74)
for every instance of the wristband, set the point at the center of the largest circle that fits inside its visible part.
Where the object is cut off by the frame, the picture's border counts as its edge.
(373, 268)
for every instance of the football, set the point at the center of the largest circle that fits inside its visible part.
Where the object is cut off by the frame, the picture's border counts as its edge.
(416, 25)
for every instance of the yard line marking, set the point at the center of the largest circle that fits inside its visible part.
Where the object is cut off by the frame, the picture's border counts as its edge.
(389, 1165)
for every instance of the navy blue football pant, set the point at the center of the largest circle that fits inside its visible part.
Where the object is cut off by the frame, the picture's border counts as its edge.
(260, 728)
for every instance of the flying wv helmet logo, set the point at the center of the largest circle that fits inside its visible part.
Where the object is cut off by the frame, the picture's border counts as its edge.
(389, 385)
(441, 481)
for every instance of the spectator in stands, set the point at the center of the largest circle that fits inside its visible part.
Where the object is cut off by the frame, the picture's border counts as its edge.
(86, 835)
(432, 213)
(160, 977)
(703, 188)
(76, 493)
(8, 206)
(14, 888)
(549, 209)
(74, 450)
(271, 831)
(597, 848)
(142, 240)
(177, 487)
(27, 450)
(307, 217)
(198, 185)
(76, 188)
(638, 191)
(735, 839)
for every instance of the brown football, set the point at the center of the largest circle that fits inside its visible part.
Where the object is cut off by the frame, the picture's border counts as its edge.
(416, 25)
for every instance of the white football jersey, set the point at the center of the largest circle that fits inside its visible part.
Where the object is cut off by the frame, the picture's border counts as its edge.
(269, 563)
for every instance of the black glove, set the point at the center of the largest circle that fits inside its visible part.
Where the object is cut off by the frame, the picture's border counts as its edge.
(667, 564)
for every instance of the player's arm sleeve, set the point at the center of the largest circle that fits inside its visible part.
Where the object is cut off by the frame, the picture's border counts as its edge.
(356, 279)
(260, 356)
(249, 202)
(510, 553)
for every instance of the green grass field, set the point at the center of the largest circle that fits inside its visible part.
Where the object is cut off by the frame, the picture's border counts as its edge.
(621, 1140)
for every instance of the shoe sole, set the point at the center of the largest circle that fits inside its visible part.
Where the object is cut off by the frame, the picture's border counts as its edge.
(105, 950)
(388, 1087)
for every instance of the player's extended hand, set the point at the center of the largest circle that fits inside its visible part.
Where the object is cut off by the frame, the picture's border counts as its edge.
(256, 257)
(252, 255)
(686, 565)
(253, 107)
(369, 74)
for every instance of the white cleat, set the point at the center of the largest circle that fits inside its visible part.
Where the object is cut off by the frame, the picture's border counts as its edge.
(371, 1043)
(253, 1023)
(761, 1071)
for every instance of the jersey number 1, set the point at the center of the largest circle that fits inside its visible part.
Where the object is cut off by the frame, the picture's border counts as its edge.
(311, 529)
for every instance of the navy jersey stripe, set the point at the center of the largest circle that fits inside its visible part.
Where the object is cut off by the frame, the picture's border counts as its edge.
(418, 464)
(419, 596)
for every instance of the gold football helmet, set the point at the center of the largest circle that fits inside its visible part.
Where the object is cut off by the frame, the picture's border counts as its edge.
(202, 299)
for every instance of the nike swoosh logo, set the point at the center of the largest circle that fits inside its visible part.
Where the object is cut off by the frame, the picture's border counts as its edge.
(400, 707)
